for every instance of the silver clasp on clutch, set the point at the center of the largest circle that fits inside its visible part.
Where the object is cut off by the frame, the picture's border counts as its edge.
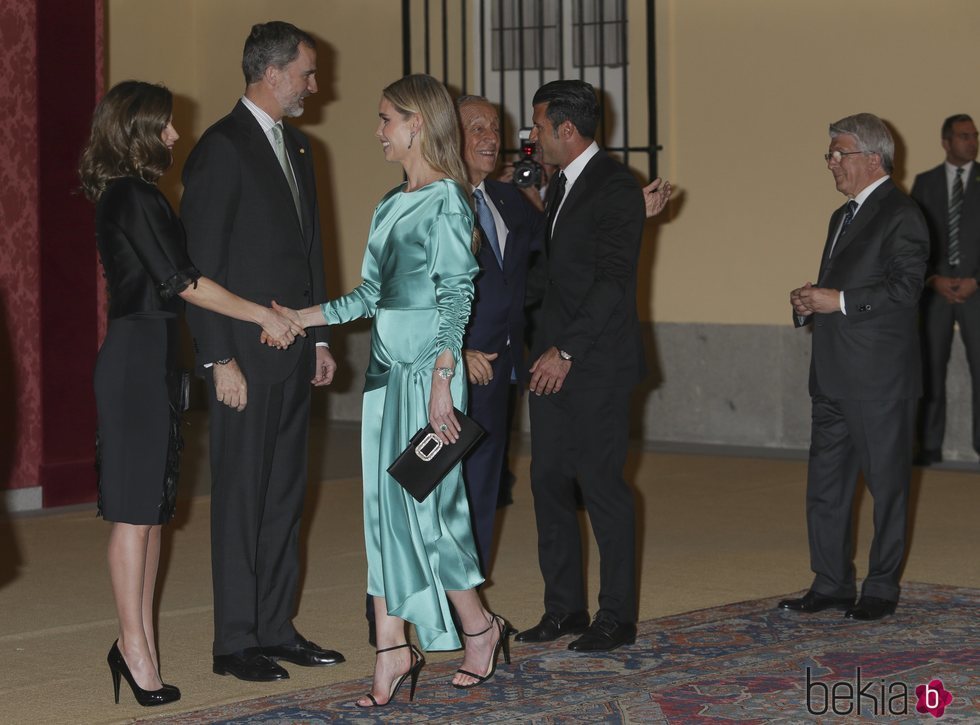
(428, 455)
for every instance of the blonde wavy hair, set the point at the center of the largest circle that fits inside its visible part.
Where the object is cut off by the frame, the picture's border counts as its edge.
(439, 134)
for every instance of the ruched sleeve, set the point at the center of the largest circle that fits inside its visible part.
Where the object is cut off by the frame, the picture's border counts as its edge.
(451, 267)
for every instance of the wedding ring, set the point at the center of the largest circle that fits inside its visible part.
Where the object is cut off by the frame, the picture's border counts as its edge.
(443, 427)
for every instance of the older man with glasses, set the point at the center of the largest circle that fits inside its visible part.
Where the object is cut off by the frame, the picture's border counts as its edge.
(865, 376)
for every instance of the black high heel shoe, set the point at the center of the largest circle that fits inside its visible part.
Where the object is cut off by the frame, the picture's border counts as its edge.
(146, 698)
(503, 641)
(417, 662)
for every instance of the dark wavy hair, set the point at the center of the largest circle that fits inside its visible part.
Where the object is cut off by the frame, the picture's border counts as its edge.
(125, 138)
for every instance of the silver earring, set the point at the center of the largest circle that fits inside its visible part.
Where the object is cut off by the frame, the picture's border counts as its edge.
(411, 139)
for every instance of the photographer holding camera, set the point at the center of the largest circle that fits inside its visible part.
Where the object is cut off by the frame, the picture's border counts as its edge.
(530, 174)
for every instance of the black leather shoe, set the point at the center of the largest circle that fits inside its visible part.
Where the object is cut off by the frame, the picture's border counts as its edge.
(604, 634)
(304, 653)
(249, 665)
(927, 458)
(815, 602)
(868, 608)
(553, 626)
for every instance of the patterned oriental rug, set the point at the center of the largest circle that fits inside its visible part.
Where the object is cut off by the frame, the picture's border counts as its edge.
(745, 662)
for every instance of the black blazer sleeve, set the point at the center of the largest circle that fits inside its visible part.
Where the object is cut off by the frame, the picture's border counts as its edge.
(618, 228)
(212, 187)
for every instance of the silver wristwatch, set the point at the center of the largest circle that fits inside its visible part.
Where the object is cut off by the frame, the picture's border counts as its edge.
(564, 355)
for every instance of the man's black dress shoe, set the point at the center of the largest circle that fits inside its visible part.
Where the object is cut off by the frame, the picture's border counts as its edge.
(927, 458)
(868, 608)
(553, 626)
(304, 653)
(604, 634)
(249, 665)
(815, 602)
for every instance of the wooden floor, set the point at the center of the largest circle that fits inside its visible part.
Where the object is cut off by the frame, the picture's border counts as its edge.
(713, 529)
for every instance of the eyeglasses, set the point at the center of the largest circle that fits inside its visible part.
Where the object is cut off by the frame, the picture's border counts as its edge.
(838, 156)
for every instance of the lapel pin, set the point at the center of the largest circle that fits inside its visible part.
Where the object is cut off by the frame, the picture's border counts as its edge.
(302, 150)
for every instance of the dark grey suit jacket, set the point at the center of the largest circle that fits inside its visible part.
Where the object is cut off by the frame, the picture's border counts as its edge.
(872, 352)
(932, 195)
(244, 233)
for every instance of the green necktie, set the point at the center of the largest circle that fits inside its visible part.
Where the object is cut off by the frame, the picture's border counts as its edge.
(286, 168)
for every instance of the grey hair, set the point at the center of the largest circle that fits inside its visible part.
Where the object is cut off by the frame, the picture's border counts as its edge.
(275, 43)
(466, 99)
(871, 134)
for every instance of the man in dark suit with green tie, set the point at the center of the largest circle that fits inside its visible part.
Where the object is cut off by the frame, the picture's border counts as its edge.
(250, 210)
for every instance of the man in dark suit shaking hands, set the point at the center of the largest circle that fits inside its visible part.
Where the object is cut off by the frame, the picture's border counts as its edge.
(949, 196)
(250, 211)
(587, 357)
(865, 374)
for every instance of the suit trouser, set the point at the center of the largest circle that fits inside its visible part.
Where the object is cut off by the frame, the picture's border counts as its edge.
(483, 468)
(938, 317)
(849, 437)
(583, 435)
(258, 473)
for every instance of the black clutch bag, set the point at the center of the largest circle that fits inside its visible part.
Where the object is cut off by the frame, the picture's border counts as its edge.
(426, 461)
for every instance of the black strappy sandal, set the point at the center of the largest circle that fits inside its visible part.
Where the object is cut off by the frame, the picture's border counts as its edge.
(503, 641)
(417, 661)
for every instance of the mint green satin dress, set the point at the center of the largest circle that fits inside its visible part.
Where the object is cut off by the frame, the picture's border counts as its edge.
(418, 286)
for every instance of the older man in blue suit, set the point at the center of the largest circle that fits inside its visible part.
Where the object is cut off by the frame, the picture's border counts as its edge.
(511, 230)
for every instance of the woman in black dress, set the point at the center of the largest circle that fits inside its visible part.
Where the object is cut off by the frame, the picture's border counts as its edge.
(143, 252)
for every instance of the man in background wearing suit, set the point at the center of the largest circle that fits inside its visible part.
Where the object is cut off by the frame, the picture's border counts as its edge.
(865, 374)
(250, 211)
(949, 196)
(587, 358)
(494, 344)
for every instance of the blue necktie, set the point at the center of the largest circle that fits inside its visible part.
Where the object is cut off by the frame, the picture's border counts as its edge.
(487, 225)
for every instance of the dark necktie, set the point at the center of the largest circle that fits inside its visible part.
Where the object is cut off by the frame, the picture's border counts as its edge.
(852, 207)
(556, 201)
(487, 225)
(955, 207)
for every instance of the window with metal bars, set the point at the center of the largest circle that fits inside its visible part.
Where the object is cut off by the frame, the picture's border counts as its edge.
(526, 34)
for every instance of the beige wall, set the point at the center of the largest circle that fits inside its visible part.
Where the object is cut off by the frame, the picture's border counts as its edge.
(747, 91)
(747, 88)
(195, 47)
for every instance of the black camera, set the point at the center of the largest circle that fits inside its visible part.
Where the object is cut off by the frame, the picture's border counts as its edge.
(527, 171)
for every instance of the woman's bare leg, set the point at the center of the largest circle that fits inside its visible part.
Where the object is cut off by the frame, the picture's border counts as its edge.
(478, 650)
(388, 666)
(127, 556)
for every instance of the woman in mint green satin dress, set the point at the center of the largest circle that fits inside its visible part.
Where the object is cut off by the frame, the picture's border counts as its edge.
(418, 286)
